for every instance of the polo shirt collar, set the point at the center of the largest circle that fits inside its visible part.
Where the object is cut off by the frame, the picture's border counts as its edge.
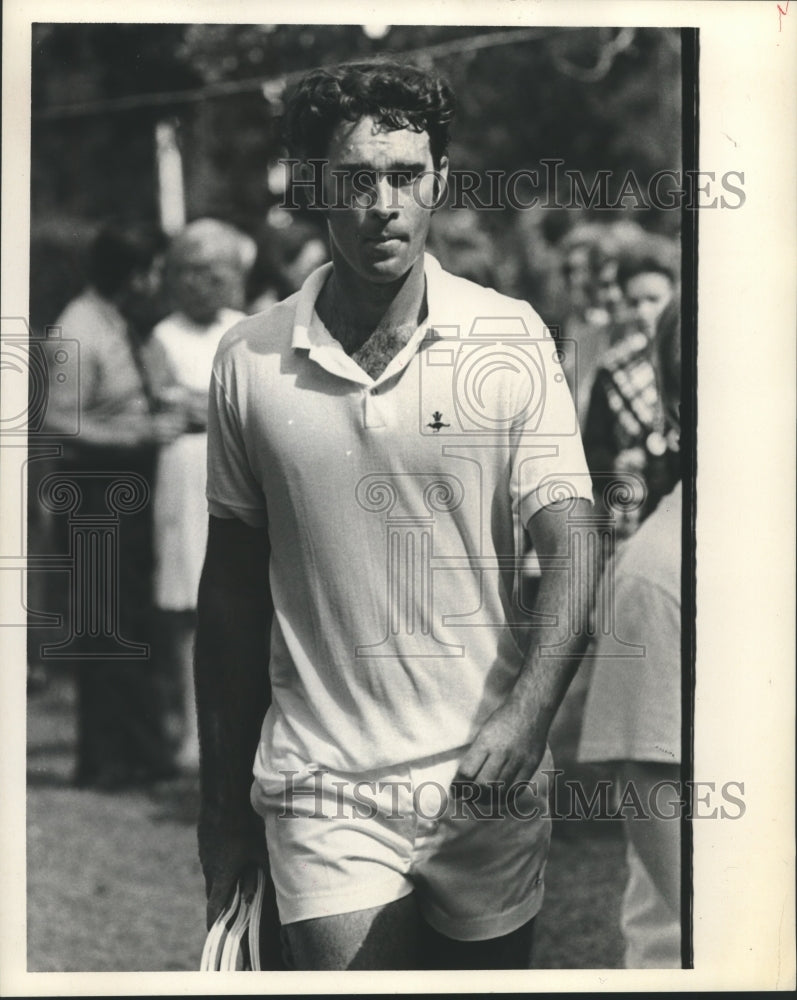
(310, 334)
(305, 308)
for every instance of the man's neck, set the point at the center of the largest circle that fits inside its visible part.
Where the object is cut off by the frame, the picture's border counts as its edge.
(355, 310)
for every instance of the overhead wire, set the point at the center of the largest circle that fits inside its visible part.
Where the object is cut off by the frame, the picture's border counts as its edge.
(230, 88)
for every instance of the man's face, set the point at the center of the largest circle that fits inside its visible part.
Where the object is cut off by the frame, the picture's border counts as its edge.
(647, 294)
(381, 191)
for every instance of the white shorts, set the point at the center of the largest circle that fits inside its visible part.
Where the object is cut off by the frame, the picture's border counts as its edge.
(341, 842)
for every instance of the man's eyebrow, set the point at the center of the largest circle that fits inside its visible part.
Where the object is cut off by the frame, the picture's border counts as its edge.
(402, 166)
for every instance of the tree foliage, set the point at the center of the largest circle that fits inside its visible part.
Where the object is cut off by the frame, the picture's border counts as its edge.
(596, 98)
(572, 94)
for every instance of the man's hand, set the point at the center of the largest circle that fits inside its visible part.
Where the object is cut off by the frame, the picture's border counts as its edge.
(510, 745)
(230, 852)
(508, 748)
(226, 853)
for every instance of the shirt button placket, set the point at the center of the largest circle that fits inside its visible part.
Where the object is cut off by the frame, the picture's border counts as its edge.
(373, 418)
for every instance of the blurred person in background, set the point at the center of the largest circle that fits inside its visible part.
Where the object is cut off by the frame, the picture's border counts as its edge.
(300, 261)
(625, 429)
(58, 251)
(605, 323)
(463, 247)
(206, 270)
(633, 711)
(287, 253)
(593, 316)
(618, 241)
(592, 300)
(609, 298)
(576, 250)
(120, 395)
(648, 286)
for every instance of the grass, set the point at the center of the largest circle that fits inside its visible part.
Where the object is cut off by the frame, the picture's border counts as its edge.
(114, 883)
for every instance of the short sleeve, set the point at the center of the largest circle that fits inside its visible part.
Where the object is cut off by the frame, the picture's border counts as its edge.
(232, 490)
(548, 463)
(74, 395)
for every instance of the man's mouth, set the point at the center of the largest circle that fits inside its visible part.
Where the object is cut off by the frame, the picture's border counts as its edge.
(384, 239)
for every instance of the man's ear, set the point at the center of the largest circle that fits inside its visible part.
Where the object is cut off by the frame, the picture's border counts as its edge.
(440, 183)
(307, 182)
(304, 171)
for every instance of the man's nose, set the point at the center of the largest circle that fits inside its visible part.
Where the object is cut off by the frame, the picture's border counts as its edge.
(385, 197)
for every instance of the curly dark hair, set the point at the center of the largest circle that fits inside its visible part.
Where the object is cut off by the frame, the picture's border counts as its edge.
(397, 95)
(631, 264)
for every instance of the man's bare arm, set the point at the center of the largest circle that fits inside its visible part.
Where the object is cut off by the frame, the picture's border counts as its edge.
(511, 744)
(233, 693)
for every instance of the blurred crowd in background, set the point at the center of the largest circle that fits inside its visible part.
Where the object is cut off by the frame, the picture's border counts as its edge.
(149, 309)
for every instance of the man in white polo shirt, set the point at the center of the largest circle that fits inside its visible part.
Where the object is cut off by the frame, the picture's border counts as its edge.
(379, 445)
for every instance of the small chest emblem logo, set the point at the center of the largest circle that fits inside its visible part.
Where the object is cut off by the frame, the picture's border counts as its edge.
(437, 422)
